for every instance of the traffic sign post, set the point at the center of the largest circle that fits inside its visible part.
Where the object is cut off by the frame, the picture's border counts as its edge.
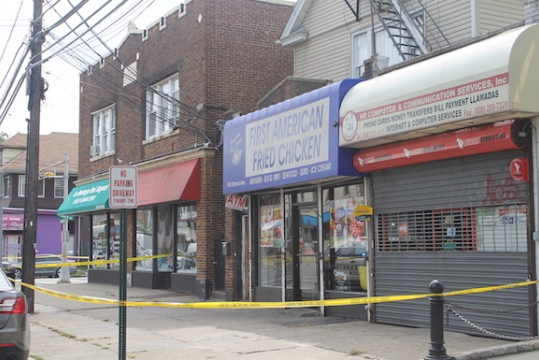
(123, 195)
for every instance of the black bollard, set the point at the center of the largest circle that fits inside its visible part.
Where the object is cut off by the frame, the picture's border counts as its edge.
(437, 349)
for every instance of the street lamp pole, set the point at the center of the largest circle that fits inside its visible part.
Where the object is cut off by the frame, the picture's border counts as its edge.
(64, 270)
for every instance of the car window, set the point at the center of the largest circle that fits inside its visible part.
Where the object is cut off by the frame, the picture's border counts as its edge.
(355, 250)
(4, 281)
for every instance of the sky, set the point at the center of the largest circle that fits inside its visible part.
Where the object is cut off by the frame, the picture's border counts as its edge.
(60, 109)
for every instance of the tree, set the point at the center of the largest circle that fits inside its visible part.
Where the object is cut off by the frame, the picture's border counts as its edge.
(3, 136)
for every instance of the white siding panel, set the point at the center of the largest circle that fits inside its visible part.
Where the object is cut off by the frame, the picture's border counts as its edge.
(324, 57)
(495, 14)
(452, 16)
(327, 52)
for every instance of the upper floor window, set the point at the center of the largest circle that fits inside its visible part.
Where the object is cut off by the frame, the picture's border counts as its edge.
(7, 186)
(104, 131)
(22, 185)
(362, 49)
(162, 107)
(41, 187)
(58, 187)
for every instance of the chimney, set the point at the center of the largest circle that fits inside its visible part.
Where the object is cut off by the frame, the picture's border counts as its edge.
(374, 64)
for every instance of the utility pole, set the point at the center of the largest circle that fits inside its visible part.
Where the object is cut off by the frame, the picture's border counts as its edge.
(64, 270)
(32, 157)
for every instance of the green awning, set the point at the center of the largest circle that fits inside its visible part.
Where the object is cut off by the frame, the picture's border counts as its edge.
(86, 198)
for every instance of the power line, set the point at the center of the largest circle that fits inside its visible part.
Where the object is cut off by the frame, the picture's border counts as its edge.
(11, 32)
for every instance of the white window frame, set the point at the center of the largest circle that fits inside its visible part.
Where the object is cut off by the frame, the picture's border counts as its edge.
(360, 55)
(162, 107)
(42, 183)
(22, 186)
(104, 131)
(59, 188)
(7, 186)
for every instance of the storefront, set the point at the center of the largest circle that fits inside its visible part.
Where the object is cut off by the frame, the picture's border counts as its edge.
(92, 199)
(164, 224)
(305, 240)
(12, 227)
(447, 143)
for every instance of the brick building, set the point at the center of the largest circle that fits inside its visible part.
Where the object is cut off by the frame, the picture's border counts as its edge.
(159, 102)
(50, 188)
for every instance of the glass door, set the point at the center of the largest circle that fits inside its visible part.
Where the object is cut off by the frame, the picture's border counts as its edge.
(302, 247)
(308, 253)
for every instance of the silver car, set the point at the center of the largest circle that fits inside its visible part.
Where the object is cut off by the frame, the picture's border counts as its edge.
(50, 270)
(14, 324)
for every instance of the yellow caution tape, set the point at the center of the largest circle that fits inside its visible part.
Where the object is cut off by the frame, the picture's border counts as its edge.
(268, 304)
(97, 262)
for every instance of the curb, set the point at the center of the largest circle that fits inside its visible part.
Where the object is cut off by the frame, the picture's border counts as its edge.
(487, 353)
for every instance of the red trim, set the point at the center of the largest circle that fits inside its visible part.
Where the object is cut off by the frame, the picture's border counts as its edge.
(470, 141)
(169, 183)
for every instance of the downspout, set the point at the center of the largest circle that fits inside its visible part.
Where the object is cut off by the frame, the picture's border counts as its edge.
(473, 17)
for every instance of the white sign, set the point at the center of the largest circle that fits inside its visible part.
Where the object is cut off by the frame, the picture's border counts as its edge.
(474, 99)
(289, 140)
(123, 187)
(235, 202)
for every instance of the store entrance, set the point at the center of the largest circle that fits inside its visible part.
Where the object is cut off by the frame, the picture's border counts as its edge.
(302, 247)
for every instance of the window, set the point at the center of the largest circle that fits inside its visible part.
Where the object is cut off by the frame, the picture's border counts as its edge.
(271, 241)
(22, 185)
(362, 50)
(162, 107)
(145, 238)
(165, 237)
(345, 239)
(7, 186)
(58, 187)
(186, 257)
(41, 188)
(104, 126)
(99, 239)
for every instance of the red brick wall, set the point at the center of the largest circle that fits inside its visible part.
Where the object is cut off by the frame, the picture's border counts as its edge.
(228, 60)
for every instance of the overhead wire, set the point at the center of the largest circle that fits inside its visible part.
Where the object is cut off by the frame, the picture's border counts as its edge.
(82, 64)
(11, 31)
(147, 86)
(78, 37)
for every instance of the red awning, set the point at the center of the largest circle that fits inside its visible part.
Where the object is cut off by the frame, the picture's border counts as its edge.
(469, 141)
(169, 183)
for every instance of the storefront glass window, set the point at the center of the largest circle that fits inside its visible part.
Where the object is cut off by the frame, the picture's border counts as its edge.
(165, 237)
(187, 239)
(114, 239)
(99, 238)
(144, 238)
(271, 241)
(345, 239)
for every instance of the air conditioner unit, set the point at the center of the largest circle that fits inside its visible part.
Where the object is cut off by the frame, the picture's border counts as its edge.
(94, 150)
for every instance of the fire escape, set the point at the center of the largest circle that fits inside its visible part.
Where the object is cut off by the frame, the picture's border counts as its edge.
(410, 27)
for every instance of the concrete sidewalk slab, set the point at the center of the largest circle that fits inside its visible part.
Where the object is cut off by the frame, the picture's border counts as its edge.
(84, 330)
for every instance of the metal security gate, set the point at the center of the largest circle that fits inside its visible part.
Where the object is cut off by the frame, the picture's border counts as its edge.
(461, 221)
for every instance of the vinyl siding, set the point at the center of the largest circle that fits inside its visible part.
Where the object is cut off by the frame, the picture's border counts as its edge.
(452, 16)
(326, 54)
(495, 14)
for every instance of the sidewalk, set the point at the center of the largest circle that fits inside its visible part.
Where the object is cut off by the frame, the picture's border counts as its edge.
(64, 329)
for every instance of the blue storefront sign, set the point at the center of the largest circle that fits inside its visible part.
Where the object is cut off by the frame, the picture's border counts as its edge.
(288, 143)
